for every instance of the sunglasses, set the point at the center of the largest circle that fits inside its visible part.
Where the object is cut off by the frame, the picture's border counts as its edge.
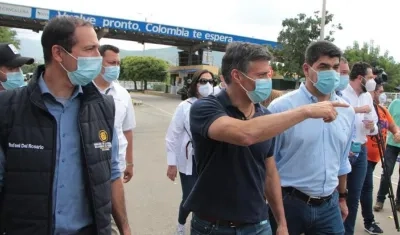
(204, 81)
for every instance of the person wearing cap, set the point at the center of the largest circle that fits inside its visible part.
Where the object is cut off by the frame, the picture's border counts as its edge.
(59, 165)
(11, 61)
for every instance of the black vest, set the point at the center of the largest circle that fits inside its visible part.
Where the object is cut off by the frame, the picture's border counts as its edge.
(27, 204)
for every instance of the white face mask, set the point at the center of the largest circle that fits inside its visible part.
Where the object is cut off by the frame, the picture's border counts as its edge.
(370, 85)
(205, 90)
(382, 98)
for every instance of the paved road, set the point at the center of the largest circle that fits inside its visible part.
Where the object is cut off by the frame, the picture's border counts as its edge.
(152, 199)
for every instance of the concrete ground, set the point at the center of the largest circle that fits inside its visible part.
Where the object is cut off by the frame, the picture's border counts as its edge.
(153, 200)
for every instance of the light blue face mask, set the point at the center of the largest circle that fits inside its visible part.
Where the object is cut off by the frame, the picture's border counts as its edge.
(87, 70)
(344, 81)
(263, 88)
(111, 73)
(14, 80)
(328, 81)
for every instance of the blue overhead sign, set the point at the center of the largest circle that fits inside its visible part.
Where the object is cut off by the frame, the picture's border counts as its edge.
(130, 25)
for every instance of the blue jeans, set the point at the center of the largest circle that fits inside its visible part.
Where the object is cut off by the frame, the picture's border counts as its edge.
(366, 195)
(325, 219)
(201, 227)
(355, 182)
(187, 183)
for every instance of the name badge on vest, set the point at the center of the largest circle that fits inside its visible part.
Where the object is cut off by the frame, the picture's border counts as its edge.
(104, 144)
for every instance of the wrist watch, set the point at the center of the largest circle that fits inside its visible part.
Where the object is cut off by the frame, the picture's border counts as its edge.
(343, 195)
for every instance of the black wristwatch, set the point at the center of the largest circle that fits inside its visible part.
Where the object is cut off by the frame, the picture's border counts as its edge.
(343, 195)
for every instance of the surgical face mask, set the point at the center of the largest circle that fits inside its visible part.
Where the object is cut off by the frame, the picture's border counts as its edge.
(344, 81)
(370, 85)
(382, 98)
(263, 88)
(87, 70)
(14, 80)
(328, 81)
(206, 89)
(111, 73)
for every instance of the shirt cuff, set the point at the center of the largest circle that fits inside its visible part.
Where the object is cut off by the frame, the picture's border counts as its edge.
(115, 175)
(346, 169)
(171, 159)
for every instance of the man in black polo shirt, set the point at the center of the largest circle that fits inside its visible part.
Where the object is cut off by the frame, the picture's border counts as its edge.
(233, 141)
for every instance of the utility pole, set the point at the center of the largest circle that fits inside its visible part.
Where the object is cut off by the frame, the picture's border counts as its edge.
(323, 15)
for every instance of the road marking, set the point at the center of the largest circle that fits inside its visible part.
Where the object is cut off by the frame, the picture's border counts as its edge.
(159, 109)
(378, 177)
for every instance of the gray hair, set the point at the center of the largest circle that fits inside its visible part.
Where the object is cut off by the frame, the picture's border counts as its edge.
(344, 60)
(238, 56)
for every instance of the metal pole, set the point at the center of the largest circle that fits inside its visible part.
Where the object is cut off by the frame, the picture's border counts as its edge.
(144, 44)
(323, 15)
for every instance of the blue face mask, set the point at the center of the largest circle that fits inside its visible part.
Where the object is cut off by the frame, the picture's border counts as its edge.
(14, 80)
(87, 70)
(262, 89)
(328, 81)
(344, 81)
(111, 73)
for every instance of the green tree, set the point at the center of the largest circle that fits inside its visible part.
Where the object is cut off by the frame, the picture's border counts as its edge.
(144, 68)
(8, 35)
(371, 54)
(293, 39)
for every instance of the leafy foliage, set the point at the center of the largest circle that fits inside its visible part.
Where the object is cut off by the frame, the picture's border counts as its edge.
(144, 68)
(8, 35)
(29, 68)
(296, 35)
(371, 54)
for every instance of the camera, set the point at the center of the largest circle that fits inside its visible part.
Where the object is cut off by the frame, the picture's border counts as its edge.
(381, 76)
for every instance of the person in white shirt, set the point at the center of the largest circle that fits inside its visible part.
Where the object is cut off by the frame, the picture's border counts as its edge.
(179, 141)
(106, 83)
(357, 93)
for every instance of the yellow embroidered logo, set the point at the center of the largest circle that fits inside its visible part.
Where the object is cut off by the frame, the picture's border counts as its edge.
(103, 135)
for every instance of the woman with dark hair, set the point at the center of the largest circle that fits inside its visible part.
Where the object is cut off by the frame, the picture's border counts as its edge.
(179, 144)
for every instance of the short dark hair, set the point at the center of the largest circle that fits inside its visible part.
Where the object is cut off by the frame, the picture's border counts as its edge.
(238, 56)
(192, 90)
(378, 86)
(359, 68)
(107, 47)
(60, 31)
(320, 48)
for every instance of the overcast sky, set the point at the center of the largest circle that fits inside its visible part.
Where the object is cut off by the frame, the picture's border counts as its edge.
(363, 20)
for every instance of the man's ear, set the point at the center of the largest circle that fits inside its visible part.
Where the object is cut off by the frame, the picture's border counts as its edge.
(306, 70)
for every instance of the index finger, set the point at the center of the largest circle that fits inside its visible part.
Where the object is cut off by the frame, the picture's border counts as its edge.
(339, 104)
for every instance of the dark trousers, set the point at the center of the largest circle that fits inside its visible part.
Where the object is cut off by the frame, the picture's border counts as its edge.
(391, 154)
(355, 182)
(366, 195)
(325, 219)
(187, 183)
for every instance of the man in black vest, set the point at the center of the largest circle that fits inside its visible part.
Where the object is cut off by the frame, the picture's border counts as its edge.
(59, 169)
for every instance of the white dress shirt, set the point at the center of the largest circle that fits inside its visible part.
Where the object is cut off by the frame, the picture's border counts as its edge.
(359, 101)
(124, 116)
(179, 150)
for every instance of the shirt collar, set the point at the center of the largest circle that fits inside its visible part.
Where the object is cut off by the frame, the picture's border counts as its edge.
(226, 101)
(313, 98)
(45, 89)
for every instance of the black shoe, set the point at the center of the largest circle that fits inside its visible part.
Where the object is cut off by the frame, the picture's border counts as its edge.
(373, 228)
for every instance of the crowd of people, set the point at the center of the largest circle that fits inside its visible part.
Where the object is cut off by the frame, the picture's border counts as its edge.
(251, 160)
(310, 153)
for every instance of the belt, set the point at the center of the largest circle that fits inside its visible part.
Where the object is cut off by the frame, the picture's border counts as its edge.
(219, 222)
(313, 201)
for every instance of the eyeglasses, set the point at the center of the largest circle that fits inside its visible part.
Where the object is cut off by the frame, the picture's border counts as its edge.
(204, 81)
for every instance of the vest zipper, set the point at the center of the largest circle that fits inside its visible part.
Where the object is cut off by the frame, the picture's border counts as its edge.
(53, 168)
(87, 175)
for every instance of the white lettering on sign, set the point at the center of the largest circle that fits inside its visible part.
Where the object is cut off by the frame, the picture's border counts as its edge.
(118, 24)
(42, 14)
(15, 10)
(161, 29)
(79, 16)
(25, 146)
